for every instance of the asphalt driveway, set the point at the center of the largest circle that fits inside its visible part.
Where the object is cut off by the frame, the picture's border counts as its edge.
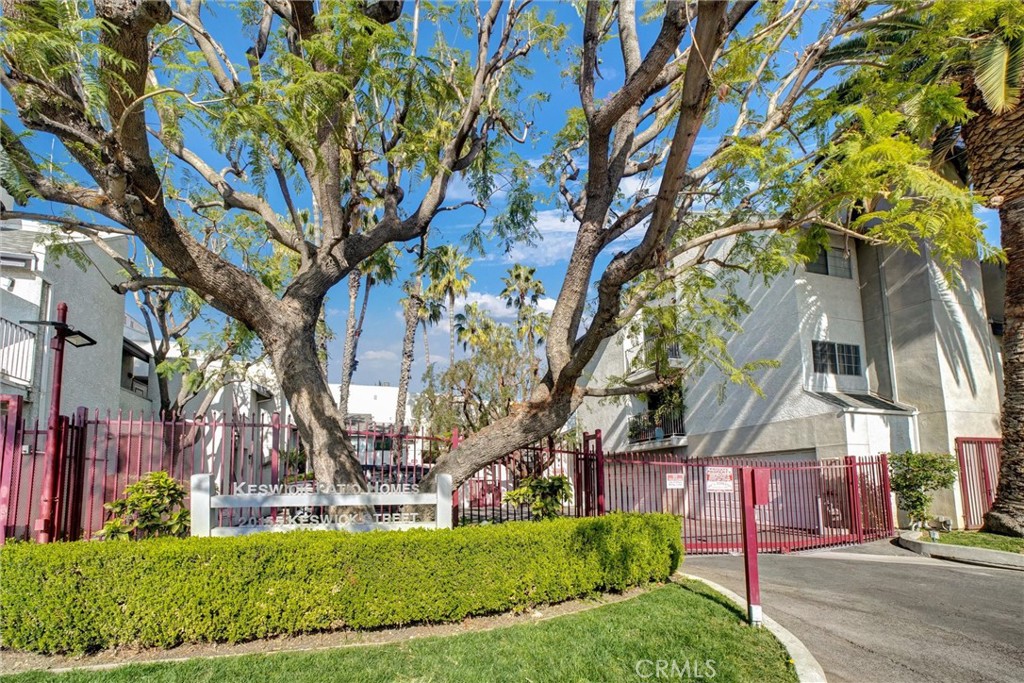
(881, 613)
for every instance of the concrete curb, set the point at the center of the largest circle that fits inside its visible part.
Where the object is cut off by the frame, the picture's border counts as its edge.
(807, 668)
(961, 553)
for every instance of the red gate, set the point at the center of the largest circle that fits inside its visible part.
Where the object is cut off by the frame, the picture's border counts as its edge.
(979, 476)
(805, 505)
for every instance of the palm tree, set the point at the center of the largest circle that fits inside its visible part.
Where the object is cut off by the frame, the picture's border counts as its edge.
(447, 268)
(380, 268)
(521, 286)
(473, 326)
(979, 49)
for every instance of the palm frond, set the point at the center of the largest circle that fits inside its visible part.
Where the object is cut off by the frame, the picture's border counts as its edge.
(998, 66)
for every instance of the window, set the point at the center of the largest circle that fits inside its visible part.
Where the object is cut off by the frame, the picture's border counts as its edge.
(134, 368)
(833, 262)
(836, 359)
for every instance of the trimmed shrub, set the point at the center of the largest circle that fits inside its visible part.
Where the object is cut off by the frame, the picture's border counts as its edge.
(84, 596)
(913, 476)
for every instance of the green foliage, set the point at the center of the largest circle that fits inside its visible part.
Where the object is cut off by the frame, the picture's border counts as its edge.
(78, 597)
(544, 495)
(604, 643)
(151, 507)
(499, 372)
(978, 539)
(914, 475)
(502, 366)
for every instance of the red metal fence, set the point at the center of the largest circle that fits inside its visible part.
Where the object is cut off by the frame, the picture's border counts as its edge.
(806, 505)
(979, 476)
(100, 455)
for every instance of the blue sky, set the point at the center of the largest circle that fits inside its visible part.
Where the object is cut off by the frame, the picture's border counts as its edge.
(380, 345)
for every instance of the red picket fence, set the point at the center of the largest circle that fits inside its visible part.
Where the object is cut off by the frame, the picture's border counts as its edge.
(807, 505)
(979, 476)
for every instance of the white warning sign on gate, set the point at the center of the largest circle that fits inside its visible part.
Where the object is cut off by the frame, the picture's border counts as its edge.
(719, 480)
(675, 480)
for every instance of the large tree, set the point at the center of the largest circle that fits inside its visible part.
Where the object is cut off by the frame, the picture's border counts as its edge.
(344, 109)
(339, 107)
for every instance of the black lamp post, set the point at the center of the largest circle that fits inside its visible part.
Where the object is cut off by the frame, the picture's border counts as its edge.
(62, 332)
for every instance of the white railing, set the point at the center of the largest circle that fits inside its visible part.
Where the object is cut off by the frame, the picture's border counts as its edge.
(206, 507)
(17, 351)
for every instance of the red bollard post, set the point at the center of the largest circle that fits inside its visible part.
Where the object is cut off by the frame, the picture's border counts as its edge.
(599, 457)
(750, 547)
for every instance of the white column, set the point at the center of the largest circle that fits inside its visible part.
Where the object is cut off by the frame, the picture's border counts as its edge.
(203, 516)
(444, 501)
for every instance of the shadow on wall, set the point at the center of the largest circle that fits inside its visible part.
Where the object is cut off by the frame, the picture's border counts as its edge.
(717, 405)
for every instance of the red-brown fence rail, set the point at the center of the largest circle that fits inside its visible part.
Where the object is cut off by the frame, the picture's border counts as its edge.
(100, 455)
(810, 504)
(978, 458)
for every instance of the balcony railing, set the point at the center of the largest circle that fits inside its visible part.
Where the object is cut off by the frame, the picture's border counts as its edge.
(645, 357)
(651, 426)
(17, 351)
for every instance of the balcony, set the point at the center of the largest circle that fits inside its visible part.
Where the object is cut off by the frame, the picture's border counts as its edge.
(643, 359)
(650, 426)
(17, 352)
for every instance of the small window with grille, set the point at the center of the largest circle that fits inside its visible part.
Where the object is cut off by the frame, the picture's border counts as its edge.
(836, 359)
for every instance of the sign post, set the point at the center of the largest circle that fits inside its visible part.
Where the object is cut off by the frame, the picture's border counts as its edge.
(205, 506)
(747, 488)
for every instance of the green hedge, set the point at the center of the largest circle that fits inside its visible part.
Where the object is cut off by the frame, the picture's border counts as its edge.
(83, 596)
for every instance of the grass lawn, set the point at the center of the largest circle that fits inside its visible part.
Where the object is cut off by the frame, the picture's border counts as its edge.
(976, 539)
(687, 623)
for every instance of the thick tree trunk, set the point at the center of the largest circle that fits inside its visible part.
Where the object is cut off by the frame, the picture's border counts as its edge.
(292, 350)
(348, 355)
(408, 343)
(1007, 513)
(528, 425)
(995, 155)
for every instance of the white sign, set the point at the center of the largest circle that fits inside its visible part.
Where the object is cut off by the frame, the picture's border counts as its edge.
(718, 479)
(675, 480)
(279, 497)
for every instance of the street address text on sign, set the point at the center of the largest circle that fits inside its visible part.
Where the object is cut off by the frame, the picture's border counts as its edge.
(719, 480)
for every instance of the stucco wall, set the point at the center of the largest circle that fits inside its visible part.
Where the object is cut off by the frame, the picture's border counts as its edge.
(91, 374)
(609, 415)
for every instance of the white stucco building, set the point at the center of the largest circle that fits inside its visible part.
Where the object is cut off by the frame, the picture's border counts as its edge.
(33, 280)
(115, 374)
(877, 352)
(373, 404)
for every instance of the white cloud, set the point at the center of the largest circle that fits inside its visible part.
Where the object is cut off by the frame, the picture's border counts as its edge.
(378, 355)
(459, 191)
(554, 244)
(495, 306)
(705, 145)
(639, 185)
